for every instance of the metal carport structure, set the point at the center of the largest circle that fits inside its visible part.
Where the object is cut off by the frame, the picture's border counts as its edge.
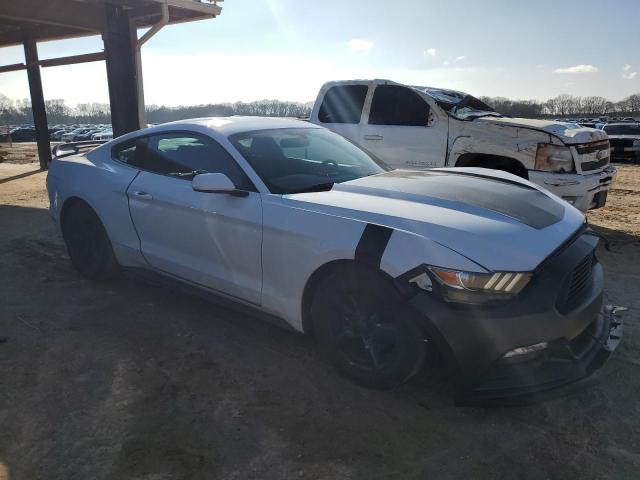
(27, 22)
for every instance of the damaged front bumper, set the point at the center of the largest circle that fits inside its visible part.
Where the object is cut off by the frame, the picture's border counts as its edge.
(586, 191)
(547, 337)
(537, 375)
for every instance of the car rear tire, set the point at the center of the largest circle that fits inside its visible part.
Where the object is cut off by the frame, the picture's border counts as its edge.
(87, 243)
(363, 326)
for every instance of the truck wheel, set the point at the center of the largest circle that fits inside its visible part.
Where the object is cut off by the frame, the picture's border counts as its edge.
(362, 326)
(87, 243)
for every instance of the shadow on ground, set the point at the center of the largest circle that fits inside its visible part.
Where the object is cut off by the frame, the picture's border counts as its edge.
(128, 380)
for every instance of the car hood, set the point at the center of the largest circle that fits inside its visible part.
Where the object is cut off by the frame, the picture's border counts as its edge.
(569, 133)
(496, 219)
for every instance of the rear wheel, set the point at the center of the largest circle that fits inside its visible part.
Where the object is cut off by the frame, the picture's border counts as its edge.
(362, 325)
(87, 243)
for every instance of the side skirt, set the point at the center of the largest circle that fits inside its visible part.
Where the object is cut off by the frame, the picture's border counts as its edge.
(159, 279)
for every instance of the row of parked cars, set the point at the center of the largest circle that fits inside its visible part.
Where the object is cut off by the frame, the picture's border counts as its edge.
(623, 133)
(599, 122)
(64, 133)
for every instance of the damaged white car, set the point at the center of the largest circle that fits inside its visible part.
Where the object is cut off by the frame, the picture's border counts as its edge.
(421, 127)
(392, 271)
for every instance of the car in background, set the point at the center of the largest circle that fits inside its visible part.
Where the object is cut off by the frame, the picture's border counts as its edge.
(471, 271)
(624, 138)
(58, 134)
(86, 135)
(23, 134)
(103, 135)
(422, 127)
(72, 136)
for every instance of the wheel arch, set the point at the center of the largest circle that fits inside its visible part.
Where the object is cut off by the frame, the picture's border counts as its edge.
(69, 202)
(311, 287)
(321, 272)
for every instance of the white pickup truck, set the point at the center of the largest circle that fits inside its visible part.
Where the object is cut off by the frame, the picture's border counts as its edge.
(421, 127)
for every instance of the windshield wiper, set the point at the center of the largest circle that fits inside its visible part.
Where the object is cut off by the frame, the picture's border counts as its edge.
(191, 174)
(319, 187)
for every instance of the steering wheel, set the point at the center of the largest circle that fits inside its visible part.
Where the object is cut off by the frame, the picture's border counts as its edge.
(326, 167)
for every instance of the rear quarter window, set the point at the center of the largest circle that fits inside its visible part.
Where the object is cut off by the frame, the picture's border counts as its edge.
(343, 104)
(127, 152)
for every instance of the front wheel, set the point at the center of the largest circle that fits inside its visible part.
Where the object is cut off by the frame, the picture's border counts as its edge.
(87, 243)
(362, 325)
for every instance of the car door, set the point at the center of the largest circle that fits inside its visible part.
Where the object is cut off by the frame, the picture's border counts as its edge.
(211, 239)
(402, 130)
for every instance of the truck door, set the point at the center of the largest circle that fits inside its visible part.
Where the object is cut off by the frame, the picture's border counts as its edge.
(402, 131)
(341, 109)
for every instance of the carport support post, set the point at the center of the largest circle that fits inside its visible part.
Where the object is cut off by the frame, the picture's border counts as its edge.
(120, 40)
(37, 103)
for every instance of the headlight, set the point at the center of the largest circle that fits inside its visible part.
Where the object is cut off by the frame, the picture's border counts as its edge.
(501, 282)
(469, 287)
(553, 158)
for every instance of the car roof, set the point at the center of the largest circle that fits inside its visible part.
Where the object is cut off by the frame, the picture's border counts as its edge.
(230, 125)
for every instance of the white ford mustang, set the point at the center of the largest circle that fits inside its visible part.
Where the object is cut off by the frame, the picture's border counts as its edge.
(391, 270)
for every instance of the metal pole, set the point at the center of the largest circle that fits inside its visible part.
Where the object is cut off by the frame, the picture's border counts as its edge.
(37, 103)
(142, 117)
(119, 45)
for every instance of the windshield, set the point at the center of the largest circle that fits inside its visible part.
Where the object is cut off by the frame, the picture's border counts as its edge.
(622, 129)
(459, 104)
(294, 160)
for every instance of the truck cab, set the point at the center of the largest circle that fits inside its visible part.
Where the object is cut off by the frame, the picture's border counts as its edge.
(411, 127)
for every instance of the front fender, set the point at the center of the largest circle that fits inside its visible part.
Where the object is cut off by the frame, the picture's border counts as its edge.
(499, 140)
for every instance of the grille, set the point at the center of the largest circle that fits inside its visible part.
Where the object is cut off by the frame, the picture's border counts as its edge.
(580, 281)
(592, 149)
(586, 166)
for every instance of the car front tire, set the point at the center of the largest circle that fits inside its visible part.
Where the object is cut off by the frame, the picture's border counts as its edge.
(363, 326)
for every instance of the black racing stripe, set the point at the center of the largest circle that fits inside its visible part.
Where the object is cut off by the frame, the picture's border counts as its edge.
(507, 197)
(372, 244)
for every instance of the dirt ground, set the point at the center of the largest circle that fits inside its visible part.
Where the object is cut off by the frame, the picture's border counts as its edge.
(131, 381)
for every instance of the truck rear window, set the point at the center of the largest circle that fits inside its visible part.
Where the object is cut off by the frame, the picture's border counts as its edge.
(343, 104)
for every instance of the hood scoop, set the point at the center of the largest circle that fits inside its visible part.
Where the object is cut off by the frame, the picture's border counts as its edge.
(468, 191)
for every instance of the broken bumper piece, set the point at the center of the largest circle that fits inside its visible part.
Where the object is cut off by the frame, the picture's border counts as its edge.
(538, 375)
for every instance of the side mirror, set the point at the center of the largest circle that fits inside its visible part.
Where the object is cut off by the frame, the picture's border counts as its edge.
(215, 183)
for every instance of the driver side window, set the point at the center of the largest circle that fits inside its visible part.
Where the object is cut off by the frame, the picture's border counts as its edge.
(183, 155)
(396, 105)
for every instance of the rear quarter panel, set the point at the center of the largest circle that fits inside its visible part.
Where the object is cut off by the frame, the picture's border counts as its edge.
(102, 183)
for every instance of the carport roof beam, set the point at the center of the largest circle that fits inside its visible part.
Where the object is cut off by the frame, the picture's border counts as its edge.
(42, 20)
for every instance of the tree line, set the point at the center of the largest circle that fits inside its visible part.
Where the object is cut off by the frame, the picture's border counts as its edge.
(19, 111)
(15, 112)
(565, 106)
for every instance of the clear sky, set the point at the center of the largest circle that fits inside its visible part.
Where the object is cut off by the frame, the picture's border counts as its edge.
(286, 49)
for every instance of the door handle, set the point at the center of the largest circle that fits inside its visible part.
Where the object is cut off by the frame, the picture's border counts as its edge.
(143, 195)
(373, 137)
